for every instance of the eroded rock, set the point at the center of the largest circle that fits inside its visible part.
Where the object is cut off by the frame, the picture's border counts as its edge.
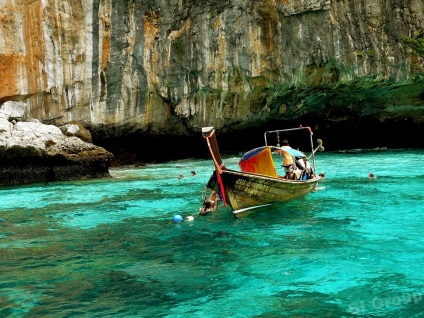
(33, 152)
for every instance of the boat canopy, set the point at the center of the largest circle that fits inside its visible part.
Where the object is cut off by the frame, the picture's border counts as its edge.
(293, 152)
(258, 160)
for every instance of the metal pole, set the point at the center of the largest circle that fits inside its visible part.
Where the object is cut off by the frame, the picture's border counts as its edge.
(313, 152)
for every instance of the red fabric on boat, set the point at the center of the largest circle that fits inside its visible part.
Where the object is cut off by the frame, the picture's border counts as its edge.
(261, 163)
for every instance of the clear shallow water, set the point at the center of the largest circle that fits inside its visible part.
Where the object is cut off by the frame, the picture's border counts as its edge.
(109, 248)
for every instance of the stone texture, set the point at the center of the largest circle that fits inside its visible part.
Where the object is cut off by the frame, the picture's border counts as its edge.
(12, 110)
(168, 67)
(34, 152)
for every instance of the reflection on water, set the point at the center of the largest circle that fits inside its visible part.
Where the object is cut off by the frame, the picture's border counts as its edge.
(109, 248)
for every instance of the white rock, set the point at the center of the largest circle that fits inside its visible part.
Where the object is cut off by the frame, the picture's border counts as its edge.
(38, 129)
(70, 129)
(26, 143)
(12, 109)
(5, 128)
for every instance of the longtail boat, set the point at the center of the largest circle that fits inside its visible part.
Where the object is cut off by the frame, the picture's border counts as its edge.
(258, 184)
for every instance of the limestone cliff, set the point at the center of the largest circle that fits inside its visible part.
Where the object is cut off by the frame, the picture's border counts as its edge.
(171, 66)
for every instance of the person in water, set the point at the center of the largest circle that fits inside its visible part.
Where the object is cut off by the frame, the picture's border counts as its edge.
(214, 198)
(210, 204)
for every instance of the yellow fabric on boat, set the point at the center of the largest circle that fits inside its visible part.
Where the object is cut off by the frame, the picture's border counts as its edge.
(262, 163)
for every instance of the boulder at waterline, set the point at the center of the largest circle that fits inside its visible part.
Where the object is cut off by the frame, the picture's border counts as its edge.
(31, 151)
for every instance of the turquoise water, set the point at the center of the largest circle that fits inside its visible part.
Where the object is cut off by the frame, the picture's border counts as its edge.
(109, 248)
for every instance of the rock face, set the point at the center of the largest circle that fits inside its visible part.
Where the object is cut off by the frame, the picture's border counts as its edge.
(33, 152)
(171, 66)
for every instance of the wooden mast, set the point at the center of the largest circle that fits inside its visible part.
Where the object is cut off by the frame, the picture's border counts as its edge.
(209, 134)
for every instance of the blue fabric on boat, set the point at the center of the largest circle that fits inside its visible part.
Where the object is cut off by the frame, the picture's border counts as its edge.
(293, 152)
(252, 153)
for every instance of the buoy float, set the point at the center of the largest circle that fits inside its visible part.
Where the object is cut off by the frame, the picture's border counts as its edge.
(189, 218)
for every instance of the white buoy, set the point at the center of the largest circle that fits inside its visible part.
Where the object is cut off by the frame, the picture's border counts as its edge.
(189, 218)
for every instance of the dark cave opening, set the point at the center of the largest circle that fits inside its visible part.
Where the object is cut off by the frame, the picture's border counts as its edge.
(354, 134)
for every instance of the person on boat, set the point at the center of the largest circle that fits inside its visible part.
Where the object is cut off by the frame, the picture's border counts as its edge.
(297, 174)
(288, 160)
(304, 165)
(308, 168)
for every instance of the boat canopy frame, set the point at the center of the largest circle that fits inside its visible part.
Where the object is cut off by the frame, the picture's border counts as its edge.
(277, 132)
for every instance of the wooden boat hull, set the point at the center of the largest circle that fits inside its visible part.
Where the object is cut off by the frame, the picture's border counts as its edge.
(247, 191)
(257, 184)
